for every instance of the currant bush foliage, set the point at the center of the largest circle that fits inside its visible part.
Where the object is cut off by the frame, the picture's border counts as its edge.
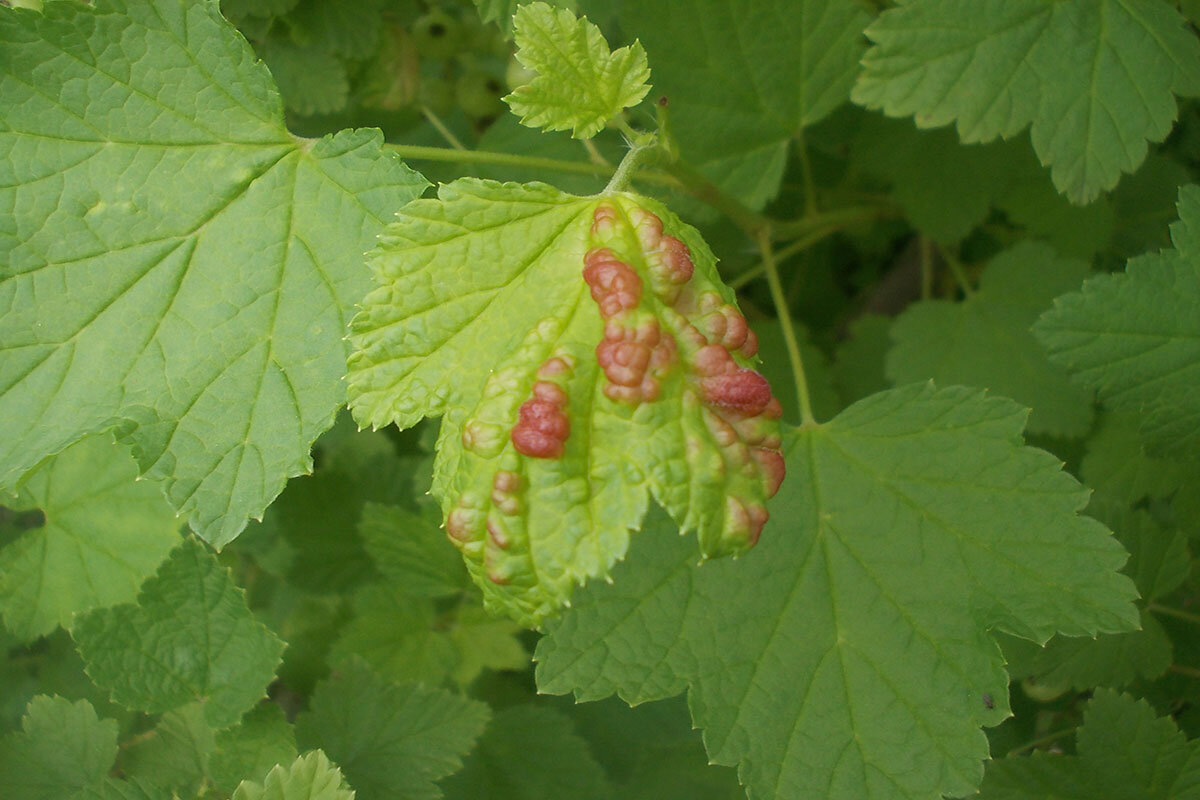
(931, 382)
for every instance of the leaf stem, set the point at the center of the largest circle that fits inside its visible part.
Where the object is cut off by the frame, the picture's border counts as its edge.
(415, 152)
(640, 147)
(1041, 740)
(1190, 672)
(960, 274)
(441, 128)
(1174, 612)
(789, 330)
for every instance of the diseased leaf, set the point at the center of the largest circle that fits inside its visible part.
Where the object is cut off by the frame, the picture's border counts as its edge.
(741, 79)
(529, 753)
(103, 535)
(595, 361)
(391, 740)
(1135, 337)
(848, 655)
(1095, 79)
(985, 341)
(171, 258)
(580, 84)
(1124, 751)
(62, 748)
(310, 777)
(189, 638)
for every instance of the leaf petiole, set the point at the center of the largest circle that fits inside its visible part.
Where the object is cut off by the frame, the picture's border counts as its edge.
(789, 330)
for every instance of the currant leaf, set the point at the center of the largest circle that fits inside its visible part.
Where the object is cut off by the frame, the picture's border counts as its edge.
(585, 357)
(103, 535)
(172, 260)
(310, 777)
(1135, 337)
(581, 84)
(849, 654)
(62, 748)
(1096, 79)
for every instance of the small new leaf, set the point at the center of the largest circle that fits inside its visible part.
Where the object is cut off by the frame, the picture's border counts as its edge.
(1135, 337)
(585, 356)
(310, 777)
(580, 84)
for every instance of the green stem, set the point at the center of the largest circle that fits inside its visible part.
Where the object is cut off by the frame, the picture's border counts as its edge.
(1190, 672)
(926, 251)
(1047, 739)
(841, 217)
(816, 228)
(789, 330)
(620, 179)
(960, 274)
(415, 152)
(441, 128)
(1174, 612)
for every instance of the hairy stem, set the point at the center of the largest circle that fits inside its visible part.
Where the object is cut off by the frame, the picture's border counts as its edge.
(789, 330)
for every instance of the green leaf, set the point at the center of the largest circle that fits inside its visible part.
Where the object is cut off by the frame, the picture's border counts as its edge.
(1080, 663)
(777, 369)
(310, 777)
(1124, 751)
(348, 30)
(63, 747)
(392, 740)
(1159, 561)
(211, 328)
(311, 80)
(535, 513)
(103, 535)
(1117, 466)
(1094, 78)
(256, 8)
(858, 367)
(411, 551)
(742, 78)
(261, 740)
(189, 638)
(1135, 337)
(580, 84)
(849, 654)
(174, 756)
(529, 753)
(963, 342)
(501, 11)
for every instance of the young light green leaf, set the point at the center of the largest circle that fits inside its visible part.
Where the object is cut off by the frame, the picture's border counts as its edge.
(62, 748)
(581, 84)
(189, 638)
(252, 747)
(742, 78)
(209, 327)
(595, 361)
(1094, 78)
(529, 753)
(310, 777)
(961, 342)
(103, 535)
(1135, 337)
(1124, 751)
(392, 740)
(849, 655)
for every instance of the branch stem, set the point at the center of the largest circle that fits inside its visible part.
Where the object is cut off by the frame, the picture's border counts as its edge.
(415, 152)
(789, 330)
(1041, 740)
(441, 128)
(1187, 616)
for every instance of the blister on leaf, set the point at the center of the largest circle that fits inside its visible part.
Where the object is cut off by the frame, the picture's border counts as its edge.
(585, 356)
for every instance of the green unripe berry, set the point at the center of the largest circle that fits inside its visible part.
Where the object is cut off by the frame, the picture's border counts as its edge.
(478, 94)
(437, 35)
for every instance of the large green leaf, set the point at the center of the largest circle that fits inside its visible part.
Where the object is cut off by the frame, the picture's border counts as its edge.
(985, 341)
(497, 305)
(172, 260)
(103, 535)
(580, 83)
(189, 638)
(1135, 337)
(1124, 751)
(849, 655)
(1094, 78)
(741, 78)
